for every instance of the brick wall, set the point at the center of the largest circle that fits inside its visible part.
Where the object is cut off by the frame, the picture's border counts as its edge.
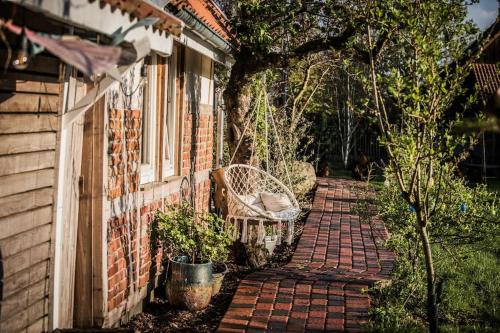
(118, 259)
(151, 251)
(202, 198)
(121, 153)
(203, 146)
(132, 207)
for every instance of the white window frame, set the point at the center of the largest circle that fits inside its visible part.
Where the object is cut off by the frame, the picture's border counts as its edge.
(170, 119)
(149, 125)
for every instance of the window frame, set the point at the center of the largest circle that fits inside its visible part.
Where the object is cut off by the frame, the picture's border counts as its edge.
(170, 118)
(149, 123)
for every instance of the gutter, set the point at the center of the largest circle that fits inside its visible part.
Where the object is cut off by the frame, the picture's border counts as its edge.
(204, 31)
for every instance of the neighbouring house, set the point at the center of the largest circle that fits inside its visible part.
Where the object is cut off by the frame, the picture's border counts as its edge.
(86, 160)
(484, 160)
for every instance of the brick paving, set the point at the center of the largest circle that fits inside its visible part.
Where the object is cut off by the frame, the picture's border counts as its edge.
(323, 287)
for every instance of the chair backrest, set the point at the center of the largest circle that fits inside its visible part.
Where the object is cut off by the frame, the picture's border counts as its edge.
(242, 179)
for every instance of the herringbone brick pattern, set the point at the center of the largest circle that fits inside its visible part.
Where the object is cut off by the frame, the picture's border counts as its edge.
(323, 287)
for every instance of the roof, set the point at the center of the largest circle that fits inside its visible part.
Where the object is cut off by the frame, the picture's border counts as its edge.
(210, 14)
(488, 78)
(142, 9)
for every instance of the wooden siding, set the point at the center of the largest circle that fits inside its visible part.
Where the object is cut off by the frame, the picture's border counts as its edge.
(29, 106)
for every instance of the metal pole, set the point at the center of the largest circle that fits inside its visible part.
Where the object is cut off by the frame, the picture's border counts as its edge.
(484, 158)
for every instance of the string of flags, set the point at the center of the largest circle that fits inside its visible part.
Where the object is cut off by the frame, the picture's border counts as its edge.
(90, 58)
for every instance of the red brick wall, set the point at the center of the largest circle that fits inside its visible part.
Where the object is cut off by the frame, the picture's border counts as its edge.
(202, 198)
(204, 143)
(118, 259)
(117, 157)
(150, 253)
(123, 166)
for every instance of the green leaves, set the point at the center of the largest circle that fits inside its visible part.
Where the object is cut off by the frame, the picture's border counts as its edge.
(199, 235)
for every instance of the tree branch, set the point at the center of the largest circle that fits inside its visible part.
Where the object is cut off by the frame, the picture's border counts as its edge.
(312, 46)
(377, 48)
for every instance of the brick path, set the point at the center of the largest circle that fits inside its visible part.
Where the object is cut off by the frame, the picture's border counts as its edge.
(322, 288)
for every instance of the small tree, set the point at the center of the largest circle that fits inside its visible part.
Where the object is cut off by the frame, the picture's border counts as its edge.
(346, 96)
(413, 86)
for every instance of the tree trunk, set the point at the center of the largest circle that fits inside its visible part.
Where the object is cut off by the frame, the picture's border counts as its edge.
(237, 100)
(432, 310)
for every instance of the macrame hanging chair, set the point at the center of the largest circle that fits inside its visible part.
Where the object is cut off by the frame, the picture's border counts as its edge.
(251, 191)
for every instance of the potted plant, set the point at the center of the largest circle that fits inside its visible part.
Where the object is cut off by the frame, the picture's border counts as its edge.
(191, 241)
(270, 239)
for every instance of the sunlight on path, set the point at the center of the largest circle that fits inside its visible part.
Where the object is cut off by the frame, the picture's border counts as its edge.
(322, 289)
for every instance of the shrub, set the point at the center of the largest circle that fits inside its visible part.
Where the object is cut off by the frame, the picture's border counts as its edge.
(201, 236)
(464, 237)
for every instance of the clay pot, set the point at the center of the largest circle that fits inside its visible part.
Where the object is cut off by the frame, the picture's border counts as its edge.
(189, 285)
(217, 281)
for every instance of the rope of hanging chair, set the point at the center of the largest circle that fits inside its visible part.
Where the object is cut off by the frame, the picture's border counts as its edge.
(243, 134)
(280, 149)
(267, 138)
(254, 139)
(273, 123)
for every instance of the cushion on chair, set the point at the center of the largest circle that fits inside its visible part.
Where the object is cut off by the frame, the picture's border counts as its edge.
(276, 202)
(253, 200)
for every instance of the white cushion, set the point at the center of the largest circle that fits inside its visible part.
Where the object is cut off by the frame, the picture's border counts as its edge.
(276, 202)
(254, 201)
(251, 199)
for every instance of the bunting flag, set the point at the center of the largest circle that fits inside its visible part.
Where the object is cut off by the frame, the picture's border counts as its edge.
(89, 58)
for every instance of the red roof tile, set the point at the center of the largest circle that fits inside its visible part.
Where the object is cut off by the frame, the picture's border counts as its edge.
(142, 9)
(488, 78)
(209, 13)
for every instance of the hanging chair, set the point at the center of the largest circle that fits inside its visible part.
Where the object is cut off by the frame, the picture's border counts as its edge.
(255, 195)
(247, 190)
(245, 183)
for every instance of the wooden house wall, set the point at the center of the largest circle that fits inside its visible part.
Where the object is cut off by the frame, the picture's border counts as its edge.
(29, 105)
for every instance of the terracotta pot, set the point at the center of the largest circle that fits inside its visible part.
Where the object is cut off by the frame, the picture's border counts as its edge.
(217, 279)
(189, 285)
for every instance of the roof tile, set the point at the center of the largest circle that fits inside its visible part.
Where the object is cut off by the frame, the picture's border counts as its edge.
(488, 78)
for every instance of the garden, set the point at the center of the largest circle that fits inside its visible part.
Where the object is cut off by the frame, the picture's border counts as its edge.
(383, 98)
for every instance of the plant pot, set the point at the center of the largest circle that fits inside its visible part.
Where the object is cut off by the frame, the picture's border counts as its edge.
(217, 280)
(189, 285)
(270, 243)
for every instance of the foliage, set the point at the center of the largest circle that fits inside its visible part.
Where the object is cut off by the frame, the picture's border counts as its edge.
(414, 82)
(465, 235)
(265, 25)
(279, 149)
(274, 35)
(200, 235)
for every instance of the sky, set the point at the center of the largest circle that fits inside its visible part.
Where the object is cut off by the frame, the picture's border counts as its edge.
(484, 13)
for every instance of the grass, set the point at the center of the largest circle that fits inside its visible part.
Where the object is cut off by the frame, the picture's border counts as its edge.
(471, 292)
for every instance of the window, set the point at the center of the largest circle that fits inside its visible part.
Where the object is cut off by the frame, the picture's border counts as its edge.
(159, 119)
(148, 141)
(206, 81)
(170, 119)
